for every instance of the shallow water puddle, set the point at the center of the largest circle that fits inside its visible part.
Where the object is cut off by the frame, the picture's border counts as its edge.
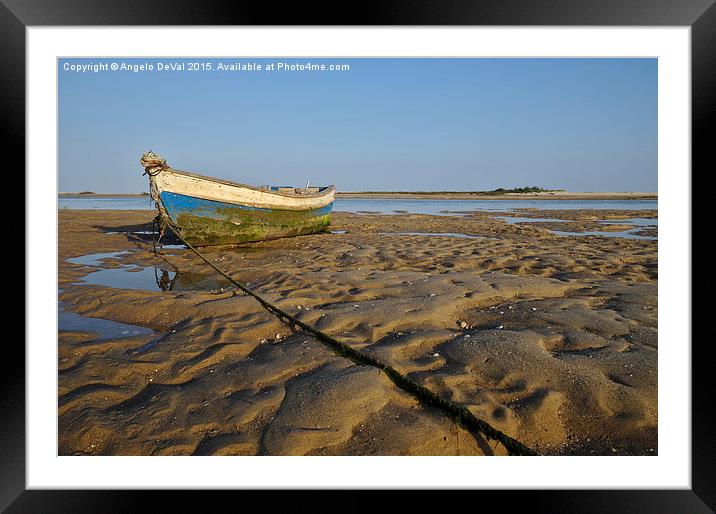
(435, 234)
(626, 235)
(155, 279)
(124, 276)
(640, 223)
(105, 328)
(171, 247)
(145, 278)
(198, 282)
(511, 220)
(130, 277)
(95, 259)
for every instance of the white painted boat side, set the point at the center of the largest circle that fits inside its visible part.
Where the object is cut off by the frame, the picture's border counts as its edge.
(222, 191)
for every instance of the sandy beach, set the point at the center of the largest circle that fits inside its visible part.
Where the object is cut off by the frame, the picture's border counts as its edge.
(551, 339)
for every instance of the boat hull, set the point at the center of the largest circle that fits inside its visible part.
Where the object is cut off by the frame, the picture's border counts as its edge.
(204, 222)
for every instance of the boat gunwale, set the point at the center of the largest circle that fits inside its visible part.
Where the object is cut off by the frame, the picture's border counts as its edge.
(328, 189)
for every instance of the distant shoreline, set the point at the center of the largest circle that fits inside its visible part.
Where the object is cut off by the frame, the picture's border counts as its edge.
(441, 195)
(101, 195)
(467, 195)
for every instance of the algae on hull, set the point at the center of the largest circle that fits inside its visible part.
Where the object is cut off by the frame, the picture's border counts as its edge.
(201, 231)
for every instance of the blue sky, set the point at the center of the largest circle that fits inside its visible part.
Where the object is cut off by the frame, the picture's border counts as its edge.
(387, 124)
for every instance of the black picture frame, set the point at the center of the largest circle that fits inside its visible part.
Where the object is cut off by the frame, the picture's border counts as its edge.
(700, 15)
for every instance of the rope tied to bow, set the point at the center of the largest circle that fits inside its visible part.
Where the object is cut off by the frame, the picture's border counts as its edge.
(153, 163)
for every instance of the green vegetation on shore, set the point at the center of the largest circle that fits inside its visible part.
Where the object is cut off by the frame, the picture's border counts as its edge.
(499, 191)
(532, 189)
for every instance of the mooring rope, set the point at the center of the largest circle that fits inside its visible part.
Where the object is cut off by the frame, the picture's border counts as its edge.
(462, 415)
(153, 163)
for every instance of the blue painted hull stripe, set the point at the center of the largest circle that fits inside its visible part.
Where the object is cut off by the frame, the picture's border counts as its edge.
(176, 204)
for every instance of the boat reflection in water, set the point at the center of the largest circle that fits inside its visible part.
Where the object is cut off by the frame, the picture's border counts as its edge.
(171, 281)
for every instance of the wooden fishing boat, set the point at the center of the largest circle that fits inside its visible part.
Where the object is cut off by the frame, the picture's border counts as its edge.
(210, 211)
